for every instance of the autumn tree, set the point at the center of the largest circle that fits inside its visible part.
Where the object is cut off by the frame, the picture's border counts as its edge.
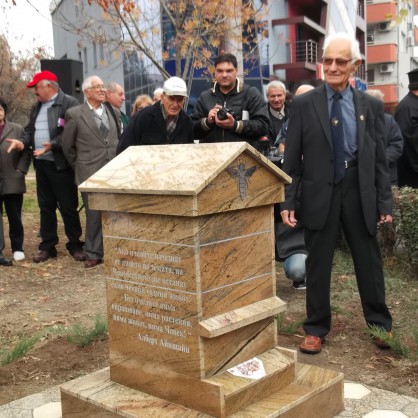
(189, 32)
(16, 71)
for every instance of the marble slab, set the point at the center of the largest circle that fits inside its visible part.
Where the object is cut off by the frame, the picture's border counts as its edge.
(186, 180)
(312, 393)
(183, 169)
(168, 274)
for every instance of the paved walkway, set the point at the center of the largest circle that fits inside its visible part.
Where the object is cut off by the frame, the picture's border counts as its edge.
(360, 402)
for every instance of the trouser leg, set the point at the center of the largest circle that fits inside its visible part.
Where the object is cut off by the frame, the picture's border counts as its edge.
(47, 206)
(13, 205)
(2, 244)
(66, 193)
(366, 258)
(93, 246)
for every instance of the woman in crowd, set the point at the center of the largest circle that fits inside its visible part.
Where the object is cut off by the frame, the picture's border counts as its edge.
(141, 101)
(13, 168)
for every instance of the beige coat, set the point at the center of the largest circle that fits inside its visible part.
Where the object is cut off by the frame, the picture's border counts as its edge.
(83, 144)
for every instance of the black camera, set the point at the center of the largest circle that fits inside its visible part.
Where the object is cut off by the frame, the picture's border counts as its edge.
(223, 113)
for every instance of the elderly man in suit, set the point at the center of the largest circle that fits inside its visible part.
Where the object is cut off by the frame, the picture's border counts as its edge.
(335, 149)
(89, 142)
(115, 96)
(277, 108)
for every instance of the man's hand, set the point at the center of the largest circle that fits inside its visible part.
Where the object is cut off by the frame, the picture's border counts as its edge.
(212, 113)
(228, 123)
(15, 144)
(47, 147)
(385, 219)
(288, 218)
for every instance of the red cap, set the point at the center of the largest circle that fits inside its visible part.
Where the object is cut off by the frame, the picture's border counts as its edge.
(43, 75)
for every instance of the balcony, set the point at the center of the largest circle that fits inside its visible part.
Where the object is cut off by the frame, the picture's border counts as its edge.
(302, 55)
(382, 53)
(302, 21)
(304, 51)
(381, 12)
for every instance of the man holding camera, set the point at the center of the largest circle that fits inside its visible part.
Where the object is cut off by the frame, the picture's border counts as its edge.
(230, 111)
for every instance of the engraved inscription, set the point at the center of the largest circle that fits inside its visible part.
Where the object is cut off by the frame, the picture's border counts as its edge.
(145, 283)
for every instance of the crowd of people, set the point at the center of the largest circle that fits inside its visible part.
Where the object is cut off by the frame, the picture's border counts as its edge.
(340, 148)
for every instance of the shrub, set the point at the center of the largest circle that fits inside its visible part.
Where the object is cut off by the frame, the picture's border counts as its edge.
(19, 350)
(84, 336)
(406, 205)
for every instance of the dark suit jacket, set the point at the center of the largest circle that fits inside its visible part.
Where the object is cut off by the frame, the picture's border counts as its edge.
(15, 165)
(83, 144)
(148, 127)
(275, 130)
(394, 146)
(309, 158)
(55, 112)
(407, 118)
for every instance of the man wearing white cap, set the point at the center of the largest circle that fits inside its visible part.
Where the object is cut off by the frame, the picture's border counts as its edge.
(165, 122)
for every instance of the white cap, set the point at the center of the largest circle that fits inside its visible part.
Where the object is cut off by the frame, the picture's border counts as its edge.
(175, 86)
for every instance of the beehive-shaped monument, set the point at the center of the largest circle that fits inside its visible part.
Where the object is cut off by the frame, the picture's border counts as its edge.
(189, 263)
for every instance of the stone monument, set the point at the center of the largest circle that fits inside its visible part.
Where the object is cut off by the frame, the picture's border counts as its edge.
(191, 293)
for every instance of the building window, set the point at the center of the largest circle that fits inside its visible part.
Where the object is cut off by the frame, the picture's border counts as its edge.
(94, 55)
(85, 60)
(101, 52)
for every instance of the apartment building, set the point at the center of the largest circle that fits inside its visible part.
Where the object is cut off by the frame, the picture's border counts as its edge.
(301, 27)
(390, 48)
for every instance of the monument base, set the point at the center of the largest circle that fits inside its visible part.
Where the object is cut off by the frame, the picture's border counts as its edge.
(314, 393)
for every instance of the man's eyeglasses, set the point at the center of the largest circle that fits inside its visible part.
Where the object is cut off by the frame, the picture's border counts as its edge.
(339, 62)
(98, 87)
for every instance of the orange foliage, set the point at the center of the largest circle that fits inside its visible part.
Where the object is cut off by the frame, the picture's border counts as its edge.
(200, 28)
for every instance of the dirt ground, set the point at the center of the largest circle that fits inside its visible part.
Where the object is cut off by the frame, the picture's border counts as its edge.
(37, 297)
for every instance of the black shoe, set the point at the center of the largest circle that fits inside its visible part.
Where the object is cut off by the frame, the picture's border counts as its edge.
(79, 256)
(42, 256)
(384, 345)
(89, 263)
(5, 262)
(299, 285)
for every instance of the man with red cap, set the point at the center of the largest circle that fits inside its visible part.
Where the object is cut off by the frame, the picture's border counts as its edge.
(55, 185)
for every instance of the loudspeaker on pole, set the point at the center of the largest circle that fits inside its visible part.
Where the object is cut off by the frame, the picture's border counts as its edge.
(69, 73)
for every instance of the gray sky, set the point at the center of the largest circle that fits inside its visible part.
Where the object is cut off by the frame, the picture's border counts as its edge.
(27, 25)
